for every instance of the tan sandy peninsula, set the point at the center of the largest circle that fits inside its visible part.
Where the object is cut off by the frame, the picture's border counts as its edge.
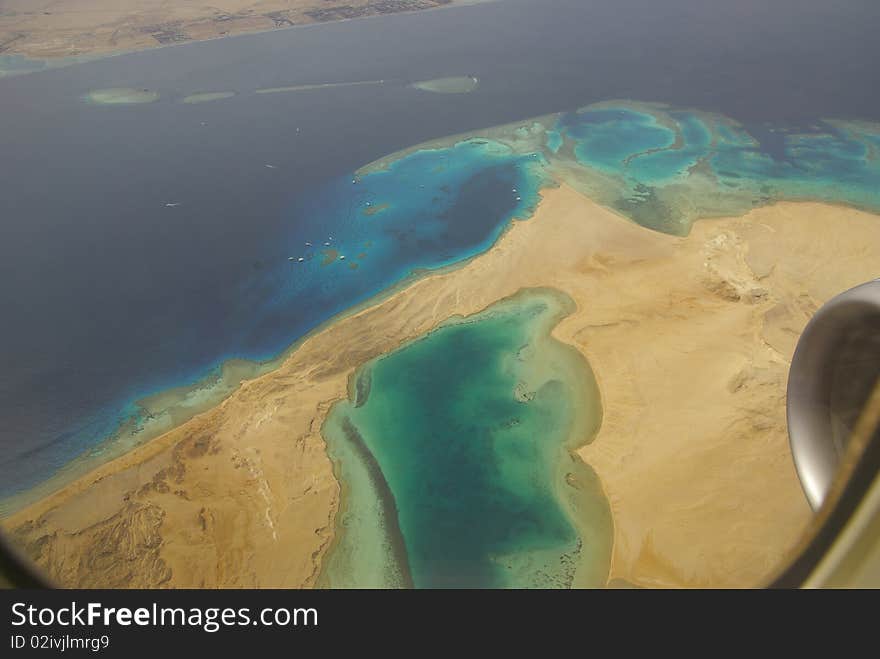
(690, 340)
(64, 28)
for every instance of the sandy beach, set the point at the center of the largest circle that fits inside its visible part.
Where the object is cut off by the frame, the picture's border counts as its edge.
(51, 29)
(689, 338)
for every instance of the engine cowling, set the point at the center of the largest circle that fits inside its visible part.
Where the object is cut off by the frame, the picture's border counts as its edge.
(834, 371)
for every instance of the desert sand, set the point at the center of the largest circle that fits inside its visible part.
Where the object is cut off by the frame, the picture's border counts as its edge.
(66, 28)
(690, 341)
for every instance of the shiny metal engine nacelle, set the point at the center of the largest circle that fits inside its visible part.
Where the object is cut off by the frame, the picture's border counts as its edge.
(833, 373)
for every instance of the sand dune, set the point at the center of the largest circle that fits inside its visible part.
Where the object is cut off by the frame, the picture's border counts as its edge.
(690, 340)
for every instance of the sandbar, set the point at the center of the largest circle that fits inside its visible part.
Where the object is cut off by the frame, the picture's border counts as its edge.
(323, 85)
(121, 96)
(450, 85)
(206, 97)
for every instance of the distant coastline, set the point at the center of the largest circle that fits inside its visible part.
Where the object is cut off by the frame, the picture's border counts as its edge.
(56, 44)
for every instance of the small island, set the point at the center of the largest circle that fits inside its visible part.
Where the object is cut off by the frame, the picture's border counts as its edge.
(121, 96)
(450, 85)
(206, 97)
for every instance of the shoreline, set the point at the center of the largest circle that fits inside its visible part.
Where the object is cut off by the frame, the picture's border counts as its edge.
(91, 461)
(394, 538)
(145, 417)
(57, 60)
(254, 426)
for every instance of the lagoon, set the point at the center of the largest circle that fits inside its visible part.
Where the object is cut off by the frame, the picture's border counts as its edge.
(457, 455)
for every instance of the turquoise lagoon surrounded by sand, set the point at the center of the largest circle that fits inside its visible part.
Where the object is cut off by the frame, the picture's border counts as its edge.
(455, 454)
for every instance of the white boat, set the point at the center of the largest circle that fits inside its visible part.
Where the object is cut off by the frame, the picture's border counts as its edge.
(342, 258)
(301, 259)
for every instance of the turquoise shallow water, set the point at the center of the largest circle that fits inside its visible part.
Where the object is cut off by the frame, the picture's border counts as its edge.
(665, 167)
(454, 452)
(357, 235)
